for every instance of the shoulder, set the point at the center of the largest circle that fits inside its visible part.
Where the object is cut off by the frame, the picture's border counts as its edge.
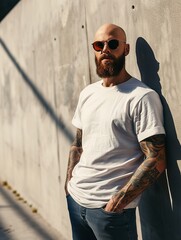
(89, 89)
(140, 90)
(138, 86)
(91, 86)
(141, 96)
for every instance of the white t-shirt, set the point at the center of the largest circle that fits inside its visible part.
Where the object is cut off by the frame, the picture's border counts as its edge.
(113, 121)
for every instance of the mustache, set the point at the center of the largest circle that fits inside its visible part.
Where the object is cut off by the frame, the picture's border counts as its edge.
(106, 56)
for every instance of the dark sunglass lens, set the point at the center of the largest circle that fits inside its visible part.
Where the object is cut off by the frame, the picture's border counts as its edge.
(98, 46)
(113, 44)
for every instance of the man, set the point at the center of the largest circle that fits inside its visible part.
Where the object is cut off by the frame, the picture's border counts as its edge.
(119, 149)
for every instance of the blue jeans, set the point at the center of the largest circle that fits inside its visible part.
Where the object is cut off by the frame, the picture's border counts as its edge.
(97, 224)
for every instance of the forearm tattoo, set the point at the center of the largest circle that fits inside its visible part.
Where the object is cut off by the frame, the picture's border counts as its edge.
(74, 155)
(153, 165)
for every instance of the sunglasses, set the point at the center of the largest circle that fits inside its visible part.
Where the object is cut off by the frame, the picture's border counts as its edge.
(112, 44)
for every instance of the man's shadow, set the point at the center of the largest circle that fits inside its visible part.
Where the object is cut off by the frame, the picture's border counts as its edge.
(160, 206)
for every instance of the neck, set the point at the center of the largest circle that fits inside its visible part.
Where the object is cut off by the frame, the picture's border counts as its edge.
(112, 81)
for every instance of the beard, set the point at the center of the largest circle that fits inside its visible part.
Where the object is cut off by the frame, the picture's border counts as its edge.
(111, 68)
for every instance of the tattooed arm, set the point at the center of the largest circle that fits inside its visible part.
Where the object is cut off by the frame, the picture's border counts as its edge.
(74, 156)
(146, 174)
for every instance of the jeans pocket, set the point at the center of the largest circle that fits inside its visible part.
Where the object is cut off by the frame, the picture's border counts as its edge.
(112, 213)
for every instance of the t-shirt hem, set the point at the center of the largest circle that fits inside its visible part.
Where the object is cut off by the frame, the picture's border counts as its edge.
(93, 205)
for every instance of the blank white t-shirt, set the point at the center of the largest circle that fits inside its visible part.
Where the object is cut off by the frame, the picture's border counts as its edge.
(113, 121)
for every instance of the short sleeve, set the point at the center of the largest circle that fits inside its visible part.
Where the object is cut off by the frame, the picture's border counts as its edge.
(148, 116)
(76, 121)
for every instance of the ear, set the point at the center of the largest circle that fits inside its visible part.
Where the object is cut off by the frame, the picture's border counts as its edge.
(126, 50)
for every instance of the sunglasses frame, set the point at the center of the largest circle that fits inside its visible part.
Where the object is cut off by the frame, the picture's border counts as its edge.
(108, 41)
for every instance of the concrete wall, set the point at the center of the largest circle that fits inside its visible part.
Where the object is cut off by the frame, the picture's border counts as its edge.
(45, 61)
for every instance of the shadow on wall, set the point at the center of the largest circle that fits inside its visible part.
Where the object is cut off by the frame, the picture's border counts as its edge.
(160, 216)
(60, 126)
(25, 216)
(47, 107)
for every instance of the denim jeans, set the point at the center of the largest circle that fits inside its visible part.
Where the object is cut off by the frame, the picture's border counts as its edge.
(97, 224)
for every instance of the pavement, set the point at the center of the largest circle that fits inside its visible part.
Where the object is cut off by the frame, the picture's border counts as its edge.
(19, 221)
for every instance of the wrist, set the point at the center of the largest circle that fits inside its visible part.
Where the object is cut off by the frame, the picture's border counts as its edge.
(117, 202)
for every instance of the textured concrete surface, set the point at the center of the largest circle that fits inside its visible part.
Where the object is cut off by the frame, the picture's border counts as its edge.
(46, 59)
(18, 221)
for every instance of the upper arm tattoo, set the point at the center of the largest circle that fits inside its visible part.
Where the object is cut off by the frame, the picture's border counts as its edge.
(78, 139)
(154, 163)
(151, 146)
(154, 151)
(75, 154)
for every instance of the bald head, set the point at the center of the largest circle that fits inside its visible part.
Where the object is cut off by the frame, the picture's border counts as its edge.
(109, 29)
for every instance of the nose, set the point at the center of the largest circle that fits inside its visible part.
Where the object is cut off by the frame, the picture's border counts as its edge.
(105, 48)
